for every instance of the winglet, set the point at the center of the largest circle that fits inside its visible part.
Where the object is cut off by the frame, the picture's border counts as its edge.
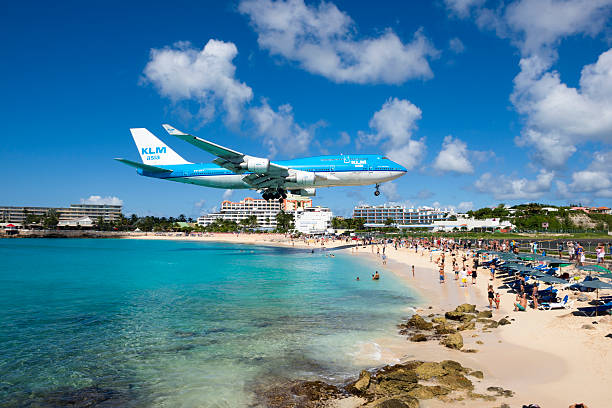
(173, 131)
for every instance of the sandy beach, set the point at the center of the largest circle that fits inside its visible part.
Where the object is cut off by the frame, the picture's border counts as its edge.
(546, 357)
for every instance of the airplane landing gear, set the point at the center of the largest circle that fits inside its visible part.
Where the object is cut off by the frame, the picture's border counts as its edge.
(274, 194)
(377, 191)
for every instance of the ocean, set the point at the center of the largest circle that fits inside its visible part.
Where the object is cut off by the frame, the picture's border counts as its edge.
(182, 324)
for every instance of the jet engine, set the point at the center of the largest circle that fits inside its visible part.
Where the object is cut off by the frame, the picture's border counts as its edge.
(255, 164)
(303, 178)
(305, 192)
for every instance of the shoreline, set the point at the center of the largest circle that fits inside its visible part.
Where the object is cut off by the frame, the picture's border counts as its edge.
(545, 357)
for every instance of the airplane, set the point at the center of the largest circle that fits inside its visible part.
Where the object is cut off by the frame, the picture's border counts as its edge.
(234, 170)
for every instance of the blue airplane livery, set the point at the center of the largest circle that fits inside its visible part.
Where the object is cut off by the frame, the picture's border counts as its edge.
(235, 170)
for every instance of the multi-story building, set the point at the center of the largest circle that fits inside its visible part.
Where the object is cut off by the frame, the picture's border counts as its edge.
(265, 211)
(75, 211)
(313, 220)
(401, 216)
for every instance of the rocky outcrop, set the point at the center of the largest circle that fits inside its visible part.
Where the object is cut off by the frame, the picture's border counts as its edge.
(454, 341)
(418, 338)
(466, 308)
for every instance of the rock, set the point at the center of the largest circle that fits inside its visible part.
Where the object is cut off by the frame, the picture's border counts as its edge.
(453, 367)
(474, 395)
(394, 402)
(466, 308)
(454, 341)
(361, 385)
(438, 320)
(456, 382)
(418, 322)
(316, 390)
(428, 391)
(427, 371)
(444, 328)
(485, 314)
(503, 322)
(467, 326)
(479, 342)
(477, 374)
(588, 327)
(83, 397)
(454, 315)
(418, 338)
(500, 392)
(394, 380)
(469, 351)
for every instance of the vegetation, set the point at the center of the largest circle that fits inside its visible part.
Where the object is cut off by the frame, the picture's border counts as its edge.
(356, 224)
(284, 222)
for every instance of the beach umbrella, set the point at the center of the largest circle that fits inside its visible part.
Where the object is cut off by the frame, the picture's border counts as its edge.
(605, 275)
(591, 268)
(596, 284)
(550, 279)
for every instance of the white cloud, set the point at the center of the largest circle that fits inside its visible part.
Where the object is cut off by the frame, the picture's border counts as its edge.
(99, 200)
(465, 206)
(596, 180)
(182, 72)
(393, 126)
(279, 130)
(505, 188)
(199, 204)
(558, 117)
(453, 157)
(227, 194)
(390, 191)
(537, 26)
(321, 40)
(456, 45)
(462, 8)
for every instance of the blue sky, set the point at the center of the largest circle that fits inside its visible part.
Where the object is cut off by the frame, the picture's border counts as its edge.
(484, 101)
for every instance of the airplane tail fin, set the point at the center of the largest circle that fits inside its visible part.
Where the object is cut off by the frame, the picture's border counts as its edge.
(153, 151)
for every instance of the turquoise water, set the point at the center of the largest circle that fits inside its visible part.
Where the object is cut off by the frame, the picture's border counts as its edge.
(185, 324)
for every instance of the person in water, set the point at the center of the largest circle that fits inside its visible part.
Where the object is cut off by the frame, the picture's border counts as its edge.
(357, 278)
(376, 276)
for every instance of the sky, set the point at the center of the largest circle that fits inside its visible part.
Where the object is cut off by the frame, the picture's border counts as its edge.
(484, 102)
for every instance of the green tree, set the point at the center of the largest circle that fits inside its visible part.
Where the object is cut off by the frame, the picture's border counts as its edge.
(51, 219)
(389, 222)
(284, 221)
(249, 222)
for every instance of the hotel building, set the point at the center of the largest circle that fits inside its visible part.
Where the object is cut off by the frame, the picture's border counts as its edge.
(75, 211)
(375, 216)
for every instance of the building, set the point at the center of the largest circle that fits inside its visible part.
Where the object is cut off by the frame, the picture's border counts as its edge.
(83, 222)
(108, 213)
(265, 211)
(313, 220)
(464, 223)
(376, 216)
(593, 210)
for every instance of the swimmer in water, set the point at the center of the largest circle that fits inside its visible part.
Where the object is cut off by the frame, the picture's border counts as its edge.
(357, 278)
(376, 276)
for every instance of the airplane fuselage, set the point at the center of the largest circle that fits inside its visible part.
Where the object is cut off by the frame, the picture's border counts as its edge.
(329, 171)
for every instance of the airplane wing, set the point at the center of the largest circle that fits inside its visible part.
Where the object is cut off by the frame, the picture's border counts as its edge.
(265, 174)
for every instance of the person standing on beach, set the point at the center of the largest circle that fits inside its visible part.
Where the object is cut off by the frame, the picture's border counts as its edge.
(413, 271)
(492, 271)
(442, 273)
(491, 296)
(463, 278)
(474, 275)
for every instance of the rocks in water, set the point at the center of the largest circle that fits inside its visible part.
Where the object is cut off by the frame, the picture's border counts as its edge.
(454, 341)
(362, 384)
(485, 314)
(419, 323)
(439, 320)
(503, 322)
(477, 374)
(466, 308)
(418, 337)
(316, 390)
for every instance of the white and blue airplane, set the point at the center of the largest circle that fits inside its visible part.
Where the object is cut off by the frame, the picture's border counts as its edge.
(235, 170)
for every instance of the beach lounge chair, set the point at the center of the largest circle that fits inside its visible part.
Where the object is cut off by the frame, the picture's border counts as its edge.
(595, 310)
(564, 304)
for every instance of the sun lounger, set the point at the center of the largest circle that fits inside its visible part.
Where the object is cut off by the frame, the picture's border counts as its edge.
(564, 304)
(595, 310)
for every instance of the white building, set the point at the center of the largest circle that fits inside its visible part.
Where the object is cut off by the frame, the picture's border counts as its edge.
(313, 220)
(469, 224)
(84, 222)
(375, 216)
(265, 211)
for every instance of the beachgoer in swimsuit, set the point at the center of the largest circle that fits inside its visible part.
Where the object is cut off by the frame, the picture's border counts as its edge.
(491, 296)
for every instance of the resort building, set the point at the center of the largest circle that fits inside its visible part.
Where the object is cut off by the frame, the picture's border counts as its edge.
(375, 216)
(265, 211)
(313, 220)
(74, 212)
(464, 223)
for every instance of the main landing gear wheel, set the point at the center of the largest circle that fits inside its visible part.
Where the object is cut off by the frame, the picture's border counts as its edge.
(377, 191)
(278, 194)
